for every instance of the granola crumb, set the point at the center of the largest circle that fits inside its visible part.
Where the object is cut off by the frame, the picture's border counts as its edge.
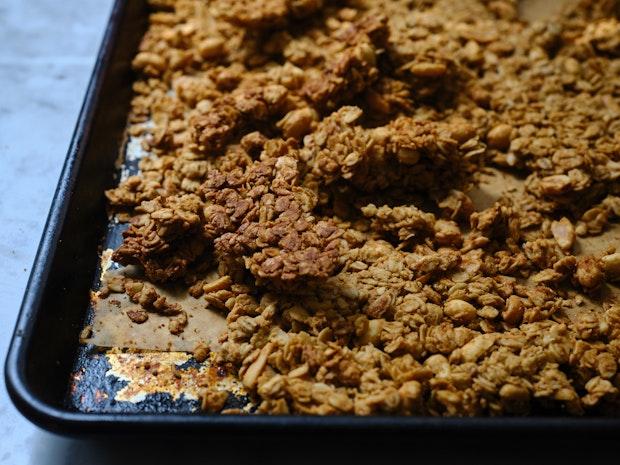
(137, 315)
(201, 352)
(213, 401)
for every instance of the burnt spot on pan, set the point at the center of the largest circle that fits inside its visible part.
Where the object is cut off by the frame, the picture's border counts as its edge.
(148, 382)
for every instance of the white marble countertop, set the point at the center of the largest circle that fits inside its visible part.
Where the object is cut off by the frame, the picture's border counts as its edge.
(47, 51)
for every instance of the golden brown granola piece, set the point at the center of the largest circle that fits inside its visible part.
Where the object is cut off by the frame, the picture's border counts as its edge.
(213, 400)
(213, 130)
(263, 14)
(260, 216)
(589, 273)
(137, 315)
(388, 96)
(456, 206)
(248, 104)
(149, 299)
(496, 221)
(423, 151)
(603, 36)
(165, 239)
(404, 222)
(351, 70)
(263, 215)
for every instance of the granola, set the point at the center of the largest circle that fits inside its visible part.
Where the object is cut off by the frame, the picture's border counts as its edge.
(320, 158)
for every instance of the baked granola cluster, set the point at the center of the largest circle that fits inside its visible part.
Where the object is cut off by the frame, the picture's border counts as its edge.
(320, 156)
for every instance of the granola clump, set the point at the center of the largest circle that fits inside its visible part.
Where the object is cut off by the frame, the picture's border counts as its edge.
(322, 159)
(265, 218)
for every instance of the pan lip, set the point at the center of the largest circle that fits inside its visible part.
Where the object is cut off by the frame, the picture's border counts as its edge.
(67, 422)
(15, 364)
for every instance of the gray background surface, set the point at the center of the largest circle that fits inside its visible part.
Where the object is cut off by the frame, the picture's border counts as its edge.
(47, 51)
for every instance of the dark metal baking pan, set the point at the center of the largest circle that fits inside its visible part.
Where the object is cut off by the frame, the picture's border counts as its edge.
(45, 349)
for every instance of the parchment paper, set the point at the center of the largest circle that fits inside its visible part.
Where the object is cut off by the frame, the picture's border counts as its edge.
(113, 328)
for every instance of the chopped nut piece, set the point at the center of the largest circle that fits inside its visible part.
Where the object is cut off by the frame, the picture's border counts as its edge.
(488, 312)
(428, 69)
(298, 123)
(211, 47)
(499, 137)
(477, 347)
(250, 377)
(611, 266)
(460, 311)
(514, 310)
(555, 185)
(589, 273)
(223, 282)
(564, 233)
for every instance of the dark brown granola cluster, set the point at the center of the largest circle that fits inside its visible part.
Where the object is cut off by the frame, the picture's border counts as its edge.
(259, 219)
(321, 159)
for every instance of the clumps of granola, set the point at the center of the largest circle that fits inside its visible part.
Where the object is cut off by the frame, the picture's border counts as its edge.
(405, 154)
(319, 158)
(259, 218)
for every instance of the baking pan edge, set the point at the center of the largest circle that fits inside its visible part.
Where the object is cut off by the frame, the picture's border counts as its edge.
(41, 413)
